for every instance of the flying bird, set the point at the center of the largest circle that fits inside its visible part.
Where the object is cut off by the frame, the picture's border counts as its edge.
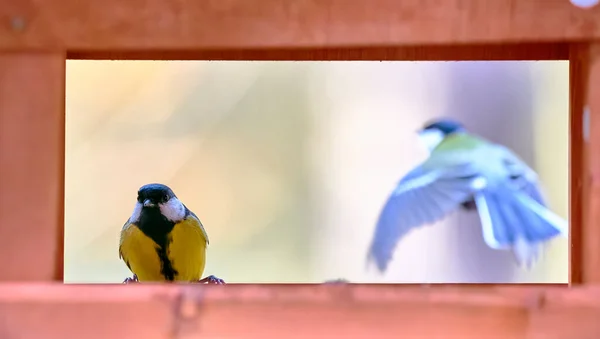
(163, 241)
(469, 172)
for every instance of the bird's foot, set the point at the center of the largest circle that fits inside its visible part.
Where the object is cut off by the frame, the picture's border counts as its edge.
(131, 280)
(211, 279)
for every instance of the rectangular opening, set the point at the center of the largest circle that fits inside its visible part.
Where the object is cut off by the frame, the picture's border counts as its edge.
(288, 164)
(105, 31)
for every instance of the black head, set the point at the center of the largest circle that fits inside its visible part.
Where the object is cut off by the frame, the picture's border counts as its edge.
(153, 194)
(446, 126)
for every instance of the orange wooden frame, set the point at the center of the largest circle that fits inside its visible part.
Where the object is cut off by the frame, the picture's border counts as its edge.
(36, 37)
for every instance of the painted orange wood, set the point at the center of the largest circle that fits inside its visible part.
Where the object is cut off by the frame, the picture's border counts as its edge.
(35, 37)
(565, 313)
(297, 311)
(591, 179)
(189, 24)
(63, 311)
(578, 71)
(32, 95)
(516, 51)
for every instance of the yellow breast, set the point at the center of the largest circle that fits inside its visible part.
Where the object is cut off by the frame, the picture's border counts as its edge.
(186, 251)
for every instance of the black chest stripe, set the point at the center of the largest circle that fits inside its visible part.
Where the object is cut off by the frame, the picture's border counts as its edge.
(158, 228)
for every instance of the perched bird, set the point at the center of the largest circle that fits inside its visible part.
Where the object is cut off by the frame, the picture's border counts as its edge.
(163, 240)
(468, 171)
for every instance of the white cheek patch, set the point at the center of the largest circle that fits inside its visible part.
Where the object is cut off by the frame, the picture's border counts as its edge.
(137, 210)
(431, 138)
(173, 210)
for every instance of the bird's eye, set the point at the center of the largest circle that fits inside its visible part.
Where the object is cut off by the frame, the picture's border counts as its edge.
(165, 198)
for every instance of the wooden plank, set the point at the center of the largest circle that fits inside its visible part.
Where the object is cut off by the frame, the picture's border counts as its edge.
(352, 320)
(298, 311)
(104, 25)
(85, 312)
(32, 129)
(259, 311)
(508, 295)
(578, 71)
(566, 313)
(590, 236)
(520, 51)
(561, 323)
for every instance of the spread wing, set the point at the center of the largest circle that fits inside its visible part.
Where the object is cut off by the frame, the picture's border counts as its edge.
(424, 196)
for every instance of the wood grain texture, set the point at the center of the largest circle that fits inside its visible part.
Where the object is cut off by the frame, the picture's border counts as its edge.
(298, 311)
(103, 25)
(590, 233)
(32, 128)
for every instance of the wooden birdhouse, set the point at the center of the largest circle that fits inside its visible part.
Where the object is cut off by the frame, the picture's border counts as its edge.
(37, 37)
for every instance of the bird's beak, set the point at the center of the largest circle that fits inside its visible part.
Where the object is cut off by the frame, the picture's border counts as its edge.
(148, 203)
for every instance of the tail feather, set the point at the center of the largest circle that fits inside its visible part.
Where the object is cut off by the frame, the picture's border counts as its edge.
(516, 221)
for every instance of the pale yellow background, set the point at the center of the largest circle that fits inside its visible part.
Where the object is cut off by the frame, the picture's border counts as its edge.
(288, 163)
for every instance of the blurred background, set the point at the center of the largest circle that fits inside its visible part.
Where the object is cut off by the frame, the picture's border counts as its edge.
(288, 164)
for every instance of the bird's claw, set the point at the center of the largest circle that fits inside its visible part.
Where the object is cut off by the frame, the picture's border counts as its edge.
(211, 279)
(131, 280)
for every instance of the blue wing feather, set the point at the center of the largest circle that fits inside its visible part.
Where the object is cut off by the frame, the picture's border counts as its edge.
(422, 197)
(514, 214)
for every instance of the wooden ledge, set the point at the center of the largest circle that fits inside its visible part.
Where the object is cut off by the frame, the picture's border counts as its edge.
(298, 311)
(505, 295)
(471, 295)
(110, 25)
